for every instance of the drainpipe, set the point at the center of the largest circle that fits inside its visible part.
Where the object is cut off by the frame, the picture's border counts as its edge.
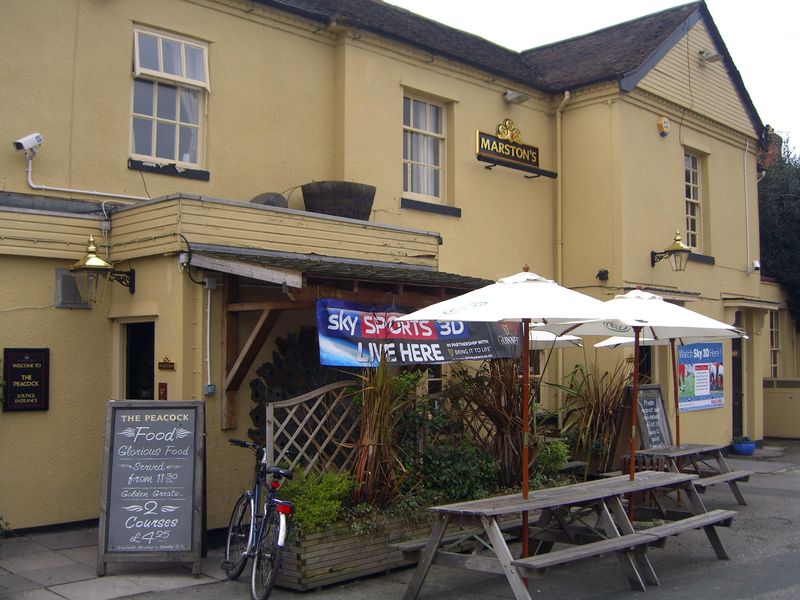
(559, 258)
(746, 206)
(559, 234)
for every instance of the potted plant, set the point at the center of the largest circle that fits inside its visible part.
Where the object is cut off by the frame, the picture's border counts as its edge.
(743, 445)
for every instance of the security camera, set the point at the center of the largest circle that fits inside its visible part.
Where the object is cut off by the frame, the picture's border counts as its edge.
(756, 265)
(29, 144)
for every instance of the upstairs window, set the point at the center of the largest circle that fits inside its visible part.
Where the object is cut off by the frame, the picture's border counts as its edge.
(170, 86)
(423, 150)
(692, 200)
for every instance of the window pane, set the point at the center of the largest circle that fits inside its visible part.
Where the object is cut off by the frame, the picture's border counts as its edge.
(407, 112)
(195, 65)
(190, 103)
(148, 51)
(142, 136)
(143, 97)
(436, 119)
(406, 145)
(417, 139)
(406, 169)
(167, 96)
(416, 179)
(432, 155)
(419, 122)
(188, 144)
(165, 140)
(434, 191)
(172, 57)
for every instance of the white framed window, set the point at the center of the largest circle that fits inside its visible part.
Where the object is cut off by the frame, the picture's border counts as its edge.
(168, 98)
(423, 149)
(692, 199)
(774, 344)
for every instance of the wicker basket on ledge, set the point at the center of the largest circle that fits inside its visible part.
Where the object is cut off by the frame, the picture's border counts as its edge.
(339, 198)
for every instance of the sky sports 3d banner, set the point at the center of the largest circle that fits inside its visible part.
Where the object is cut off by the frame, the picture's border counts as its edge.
(356, 335)
(700, 377)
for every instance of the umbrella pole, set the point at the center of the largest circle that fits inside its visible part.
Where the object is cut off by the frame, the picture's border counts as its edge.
(525, 428)
(634, 401)
(675, 387)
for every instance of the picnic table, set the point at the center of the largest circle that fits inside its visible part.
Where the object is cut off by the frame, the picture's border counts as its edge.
(708, 463)
(590, 517)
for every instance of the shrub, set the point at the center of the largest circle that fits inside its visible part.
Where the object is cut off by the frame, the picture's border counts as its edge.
(550, 458)
(318, 498)
(458, 471)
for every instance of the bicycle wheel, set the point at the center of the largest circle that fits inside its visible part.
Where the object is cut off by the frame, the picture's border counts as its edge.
(267, 559)
(240, 531)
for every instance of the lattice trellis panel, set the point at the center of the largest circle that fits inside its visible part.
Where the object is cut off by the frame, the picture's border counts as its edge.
(316, 431)
(319, 431)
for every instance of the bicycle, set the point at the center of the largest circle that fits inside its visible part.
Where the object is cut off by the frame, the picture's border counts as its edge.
(258, 535)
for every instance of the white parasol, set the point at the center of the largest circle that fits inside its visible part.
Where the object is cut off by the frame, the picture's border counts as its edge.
(647, 316)
(527, 298)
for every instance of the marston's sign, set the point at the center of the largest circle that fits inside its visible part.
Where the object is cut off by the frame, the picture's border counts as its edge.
(26, 373)
(507, 150)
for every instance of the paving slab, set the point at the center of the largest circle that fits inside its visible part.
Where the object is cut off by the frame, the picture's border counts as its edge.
(40, 594)
(168, 579)
(9, 582)
(14, 546)
(35, 561)
(59, 540)
(103, 588)
(65, 574)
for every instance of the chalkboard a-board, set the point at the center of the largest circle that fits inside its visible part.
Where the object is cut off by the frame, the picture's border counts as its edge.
(652, 423)
(151, 499)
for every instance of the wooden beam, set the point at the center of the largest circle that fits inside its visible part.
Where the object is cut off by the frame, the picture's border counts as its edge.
(251, 348)
(230, 351)
(293, 279)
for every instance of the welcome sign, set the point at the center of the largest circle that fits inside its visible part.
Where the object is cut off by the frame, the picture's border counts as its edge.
(357, 335)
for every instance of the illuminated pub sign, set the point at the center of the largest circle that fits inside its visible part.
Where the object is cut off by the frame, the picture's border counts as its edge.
(505, 148)
(26, 379)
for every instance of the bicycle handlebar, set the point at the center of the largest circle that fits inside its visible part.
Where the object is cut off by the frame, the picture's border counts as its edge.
(287, 473)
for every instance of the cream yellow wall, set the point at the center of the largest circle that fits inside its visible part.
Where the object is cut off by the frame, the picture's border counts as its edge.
(372, 81)
(74, 86)
(51, 465)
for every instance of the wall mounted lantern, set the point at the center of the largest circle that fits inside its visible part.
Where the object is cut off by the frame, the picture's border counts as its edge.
(677, 252)
(92, 273)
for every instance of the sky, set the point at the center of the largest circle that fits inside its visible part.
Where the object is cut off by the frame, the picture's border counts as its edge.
(762, 37)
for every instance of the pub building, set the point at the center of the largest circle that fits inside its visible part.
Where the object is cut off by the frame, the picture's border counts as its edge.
(190, 156)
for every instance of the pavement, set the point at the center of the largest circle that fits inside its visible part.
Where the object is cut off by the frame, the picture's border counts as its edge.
(763, 543)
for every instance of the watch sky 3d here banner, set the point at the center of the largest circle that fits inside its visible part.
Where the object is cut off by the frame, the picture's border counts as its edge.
(357, 335)
(700, 377)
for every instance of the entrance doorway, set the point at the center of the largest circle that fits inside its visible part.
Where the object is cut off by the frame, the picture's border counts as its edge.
(139, 360)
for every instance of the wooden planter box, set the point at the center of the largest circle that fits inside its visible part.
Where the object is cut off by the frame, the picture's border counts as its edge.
(325, 558)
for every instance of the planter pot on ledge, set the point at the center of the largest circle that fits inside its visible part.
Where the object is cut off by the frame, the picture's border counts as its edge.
(339, 198)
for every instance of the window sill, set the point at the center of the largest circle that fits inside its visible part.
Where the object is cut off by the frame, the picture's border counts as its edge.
(702, 258)
(439, 209)
(168, 169)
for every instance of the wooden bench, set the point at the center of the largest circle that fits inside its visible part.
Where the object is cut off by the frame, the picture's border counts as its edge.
(410, 548)
(565, 555)
(709, 480)
(626, 542)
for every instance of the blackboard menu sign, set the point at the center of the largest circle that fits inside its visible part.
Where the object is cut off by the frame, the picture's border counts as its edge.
(150, 506)
(26, 377)
(652, 419)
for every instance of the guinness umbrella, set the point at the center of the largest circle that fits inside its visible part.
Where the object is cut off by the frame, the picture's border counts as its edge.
(527, 298)
(645, 315)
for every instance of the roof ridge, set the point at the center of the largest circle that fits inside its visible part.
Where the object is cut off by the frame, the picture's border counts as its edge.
(677, 8)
